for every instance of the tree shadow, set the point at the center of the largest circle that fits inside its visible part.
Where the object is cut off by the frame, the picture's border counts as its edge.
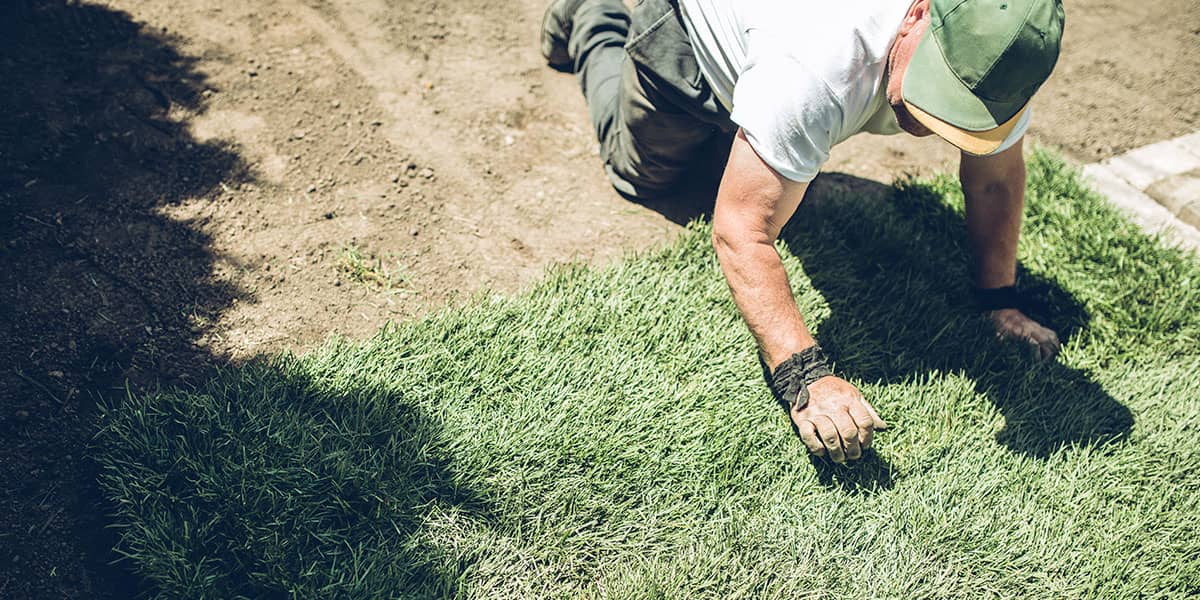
(892, 264)
(281, 479)
(103, 292)
(99, 288)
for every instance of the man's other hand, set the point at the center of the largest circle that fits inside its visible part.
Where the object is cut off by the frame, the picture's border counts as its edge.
(1012, 324)
(837, 421)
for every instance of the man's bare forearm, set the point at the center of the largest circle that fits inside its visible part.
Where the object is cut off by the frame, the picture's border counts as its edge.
(752, 206)
(760, 288)
(994, 188)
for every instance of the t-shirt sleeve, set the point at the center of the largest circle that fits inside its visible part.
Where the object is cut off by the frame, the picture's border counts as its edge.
(1014, 135)
(789, 115)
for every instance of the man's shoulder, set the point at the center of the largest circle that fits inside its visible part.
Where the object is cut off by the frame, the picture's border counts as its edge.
(843, 44)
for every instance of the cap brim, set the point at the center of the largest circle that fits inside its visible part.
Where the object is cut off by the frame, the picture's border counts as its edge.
(937, 98)
(972, 142)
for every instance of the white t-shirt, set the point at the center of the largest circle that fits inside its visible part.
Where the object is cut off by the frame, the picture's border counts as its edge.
(799, 76)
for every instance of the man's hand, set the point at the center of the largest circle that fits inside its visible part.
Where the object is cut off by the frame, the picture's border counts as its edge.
(837, 421)
(1012, 324)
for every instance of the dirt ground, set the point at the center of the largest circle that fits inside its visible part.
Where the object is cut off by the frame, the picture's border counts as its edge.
(188, 185)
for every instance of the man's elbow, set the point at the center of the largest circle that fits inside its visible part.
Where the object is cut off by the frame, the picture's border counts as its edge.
(732, 236)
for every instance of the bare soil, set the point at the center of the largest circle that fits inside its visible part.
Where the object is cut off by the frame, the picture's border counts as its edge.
(180, 184)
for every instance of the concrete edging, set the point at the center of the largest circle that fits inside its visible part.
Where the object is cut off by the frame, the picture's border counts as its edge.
(1157, 185)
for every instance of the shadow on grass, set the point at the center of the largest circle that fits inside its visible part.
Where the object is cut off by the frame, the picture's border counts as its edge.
(893, 264)
(98, 287)
(866, 476)
(281, 479)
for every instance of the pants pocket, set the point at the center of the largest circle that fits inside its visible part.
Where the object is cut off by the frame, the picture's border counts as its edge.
(659, 46)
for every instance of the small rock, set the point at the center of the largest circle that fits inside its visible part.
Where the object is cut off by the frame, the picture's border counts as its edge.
(402, 183)
(56, 374)
(252, 73)
(427, 173)
(336, 103)
(329, 215)
(414, 231)
(312, 188)
(508, 140)
(396, 178)
(298, 134)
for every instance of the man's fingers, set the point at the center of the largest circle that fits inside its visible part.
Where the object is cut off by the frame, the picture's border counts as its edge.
(808, 435)
(864, 422)
(848, 431)
(1046, 352)
(827, 431)
(880, 424)
(1050, 346)
(1044, 344)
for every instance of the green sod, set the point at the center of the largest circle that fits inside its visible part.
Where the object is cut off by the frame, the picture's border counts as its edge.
(608, 434)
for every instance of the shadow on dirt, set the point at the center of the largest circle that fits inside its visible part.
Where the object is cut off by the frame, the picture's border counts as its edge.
(98, 287)
(102, 290)
(859, 239)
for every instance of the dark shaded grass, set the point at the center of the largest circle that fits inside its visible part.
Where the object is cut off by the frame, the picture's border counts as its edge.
(607, 433)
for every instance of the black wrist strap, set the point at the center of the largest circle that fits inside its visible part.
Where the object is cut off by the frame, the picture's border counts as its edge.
(998, 298)
(790, 380)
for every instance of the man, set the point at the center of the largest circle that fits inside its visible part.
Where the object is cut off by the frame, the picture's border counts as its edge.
(788, 79)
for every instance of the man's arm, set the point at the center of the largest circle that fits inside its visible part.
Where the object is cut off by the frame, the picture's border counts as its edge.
(753, 205)
(994, 188)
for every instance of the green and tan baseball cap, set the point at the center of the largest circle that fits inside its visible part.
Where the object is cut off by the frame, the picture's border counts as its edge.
(978, 64)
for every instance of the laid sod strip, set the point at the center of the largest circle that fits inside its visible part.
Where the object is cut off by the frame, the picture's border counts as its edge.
(608, 434)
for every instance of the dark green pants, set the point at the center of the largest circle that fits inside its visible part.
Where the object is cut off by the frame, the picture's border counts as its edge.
(656, 118)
